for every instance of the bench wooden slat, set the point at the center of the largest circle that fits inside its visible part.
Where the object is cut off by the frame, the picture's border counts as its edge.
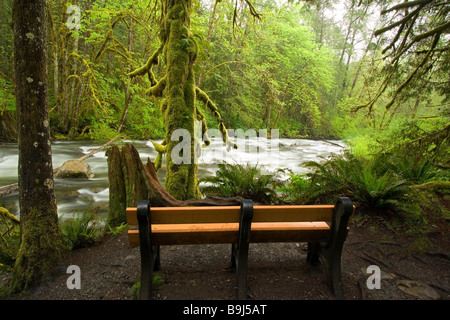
(231, 214)
(228, 233)
(294, 213)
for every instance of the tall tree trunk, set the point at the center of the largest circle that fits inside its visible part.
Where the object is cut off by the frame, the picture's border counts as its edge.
(128, 92)
(41, 246)
(180, 51)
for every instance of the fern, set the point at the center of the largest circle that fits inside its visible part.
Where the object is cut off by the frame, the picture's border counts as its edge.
(241, 180)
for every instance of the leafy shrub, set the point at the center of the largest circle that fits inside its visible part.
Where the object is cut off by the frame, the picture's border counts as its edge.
(9, 239)
(296, 190)
(374, 188)
(81, 231)
(241, 180)
(365, 180)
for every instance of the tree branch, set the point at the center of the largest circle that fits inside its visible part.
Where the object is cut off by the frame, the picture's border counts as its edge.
(157, 89)
(153, 60)
(408, 80)
(405, 5)
(203, 97)
(400, 22)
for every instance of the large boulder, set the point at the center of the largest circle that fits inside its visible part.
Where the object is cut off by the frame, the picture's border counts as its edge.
(74, 169)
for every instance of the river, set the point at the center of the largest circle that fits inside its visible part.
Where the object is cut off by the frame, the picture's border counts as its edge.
(76, 195)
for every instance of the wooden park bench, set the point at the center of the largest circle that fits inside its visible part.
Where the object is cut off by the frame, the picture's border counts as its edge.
(323, 227)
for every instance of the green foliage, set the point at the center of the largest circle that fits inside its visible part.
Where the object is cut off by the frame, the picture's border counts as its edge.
(9, 239)
(241, 180)
(369, 181)
(144, 122)
(120, 229)
(7, 100)
(271, 76)
(380, 170)
(296, 189)
(80, 231)
(374, 188)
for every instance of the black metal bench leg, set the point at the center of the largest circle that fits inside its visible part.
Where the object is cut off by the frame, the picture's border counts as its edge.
(335, 276)
(343, 209)
(312, 256)
(146, 249)
(234, 250)
(157, 260)
(241, 254)
(330, 253)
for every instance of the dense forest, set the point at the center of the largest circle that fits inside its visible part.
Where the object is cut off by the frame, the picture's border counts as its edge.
(316, 70)
(375, 74)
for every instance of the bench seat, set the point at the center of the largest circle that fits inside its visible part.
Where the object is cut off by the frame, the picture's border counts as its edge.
(216, 233)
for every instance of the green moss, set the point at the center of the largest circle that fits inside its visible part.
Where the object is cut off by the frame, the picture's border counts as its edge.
(179, 109)
(41, 250)
(9, 238)
(429, 196)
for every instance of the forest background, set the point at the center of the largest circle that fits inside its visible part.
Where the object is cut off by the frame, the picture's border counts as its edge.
(372, 73)
(302, 68)
(375, 74)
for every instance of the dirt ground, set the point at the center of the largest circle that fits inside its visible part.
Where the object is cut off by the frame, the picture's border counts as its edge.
(279, 271)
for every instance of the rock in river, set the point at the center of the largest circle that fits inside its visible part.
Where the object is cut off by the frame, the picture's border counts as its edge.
(74, 169)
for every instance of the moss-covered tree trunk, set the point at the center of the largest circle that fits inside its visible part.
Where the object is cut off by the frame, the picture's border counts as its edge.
(179, 110)
(179, 93)
(41, 246)
(117, 190)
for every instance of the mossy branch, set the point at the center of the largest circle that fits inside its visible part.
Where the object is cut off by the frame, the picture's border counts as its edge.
(9, 216)
(153, 60)
(160, 148)
(201, 117)
(203, 97)
(157, 89)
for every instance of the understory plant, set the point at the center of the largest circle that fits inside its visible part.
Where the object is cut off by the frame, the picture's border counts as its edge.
(81, 230)
(9, 238)
(380, 182)
(363, 179)
(246, 181)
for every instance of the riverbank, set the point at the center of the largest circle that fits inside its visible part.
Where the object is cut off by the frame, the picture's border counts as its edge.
(414, 266)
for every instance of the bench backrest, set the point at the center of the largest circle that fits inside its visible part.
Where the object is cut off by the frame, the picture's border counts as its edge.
(231, 214)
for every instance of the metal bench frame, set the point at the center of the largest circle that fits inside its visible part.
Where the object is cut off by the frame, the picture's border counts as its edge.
(328, 252)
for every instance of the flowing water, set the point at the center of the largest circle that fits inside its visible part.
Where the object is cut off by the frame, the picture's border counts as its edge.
(78, 195)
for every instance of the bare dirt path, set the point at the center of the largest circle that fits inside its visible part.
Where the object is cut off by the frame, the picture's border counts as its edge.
(110, 270)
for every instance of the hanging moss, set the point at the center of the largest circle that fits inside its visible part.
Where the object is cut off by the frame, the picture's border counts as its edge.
(179, 93)
(202, 96)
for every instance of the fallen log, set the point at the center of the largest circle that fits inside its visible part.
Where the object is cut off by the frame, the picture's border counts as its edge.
(8, 189)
